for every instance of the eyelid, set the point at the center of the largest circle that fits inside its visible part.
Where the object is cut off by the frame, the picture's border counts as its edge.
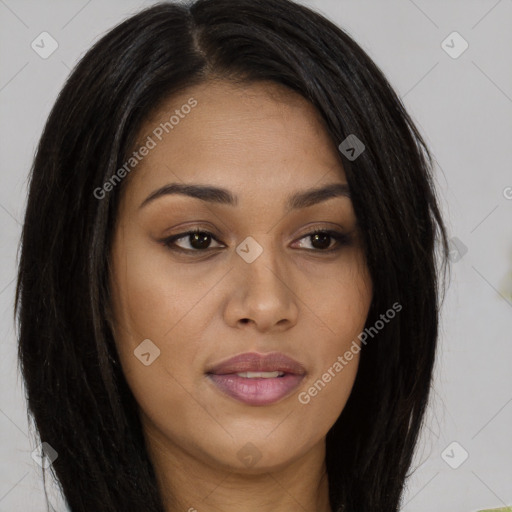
(341, 239)
(167, 241)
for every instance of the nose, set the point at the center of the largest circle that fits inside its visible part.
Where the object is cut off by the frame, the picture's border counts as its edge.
(262, 292)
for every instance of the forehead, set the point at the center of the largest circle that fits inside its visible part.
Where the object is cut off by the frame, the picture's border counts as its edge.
(247, 137)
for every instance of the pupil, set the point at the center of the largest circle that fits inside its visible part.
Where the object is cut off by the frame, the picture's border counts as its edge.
(200, 240)
(324, 240)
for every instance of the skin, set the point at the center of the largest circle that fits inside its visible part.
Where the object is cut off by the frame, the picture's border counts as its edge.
(262, 142)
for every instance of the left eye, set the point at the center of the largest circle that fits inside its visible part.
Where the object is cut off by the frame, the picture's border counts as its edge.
(199, 241)
(323, 239)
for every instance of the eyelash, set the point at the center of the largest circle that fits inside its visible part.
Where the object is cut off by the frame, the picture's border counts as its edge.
(341, 239)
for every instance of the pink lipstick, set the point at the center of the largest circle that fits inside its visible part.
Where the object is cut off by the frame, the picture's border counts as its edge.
(257, 379)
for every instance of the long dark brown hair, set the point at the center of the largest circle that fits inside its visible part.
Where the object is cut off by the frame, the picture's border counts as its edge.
(77, 395)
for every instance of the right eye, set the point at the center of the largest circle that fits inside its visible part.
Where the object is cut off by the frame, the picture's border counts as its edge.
(198, 241)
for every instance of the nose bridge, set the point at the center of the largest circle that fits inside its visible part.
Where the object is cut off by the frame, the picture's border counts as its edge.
(262, 261)
(264, 295)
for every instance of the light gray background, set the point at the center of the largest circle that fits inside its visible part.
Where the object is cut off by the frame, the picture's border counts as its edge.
(462, 106)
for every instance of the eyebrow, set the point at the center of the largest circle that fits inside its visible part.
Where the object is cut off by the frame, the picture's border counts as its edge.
(223, 196)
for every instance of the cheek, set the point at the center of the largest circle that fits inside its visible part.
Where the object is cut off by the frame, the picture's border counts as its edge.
(341, 303)
(150, 311)
(341, 308)
(323, 396)
(152, 301)
(322, 399)
(151, 298)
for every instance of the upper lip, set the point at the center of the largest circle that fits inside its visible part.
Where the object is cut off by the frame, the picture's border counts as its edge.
(254, 362)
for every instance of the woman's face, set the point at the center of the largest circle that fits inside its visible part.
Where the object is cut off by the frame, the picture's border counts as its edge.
(253, 281)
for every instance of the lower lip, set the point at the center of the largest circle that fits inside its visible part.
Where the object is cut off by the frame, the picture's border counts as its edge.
(257, 391)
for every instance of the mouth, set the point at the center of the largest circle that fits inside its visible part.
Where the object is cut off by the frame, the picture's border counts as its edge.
(257, 379)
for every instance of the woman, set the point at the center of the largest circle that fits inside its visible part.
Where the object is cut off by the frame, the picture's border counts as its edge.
(228, 287)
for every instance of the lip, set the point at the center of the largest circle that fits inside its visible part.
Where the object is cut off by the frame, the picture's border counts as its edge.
(260, 390)
(254, 362)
